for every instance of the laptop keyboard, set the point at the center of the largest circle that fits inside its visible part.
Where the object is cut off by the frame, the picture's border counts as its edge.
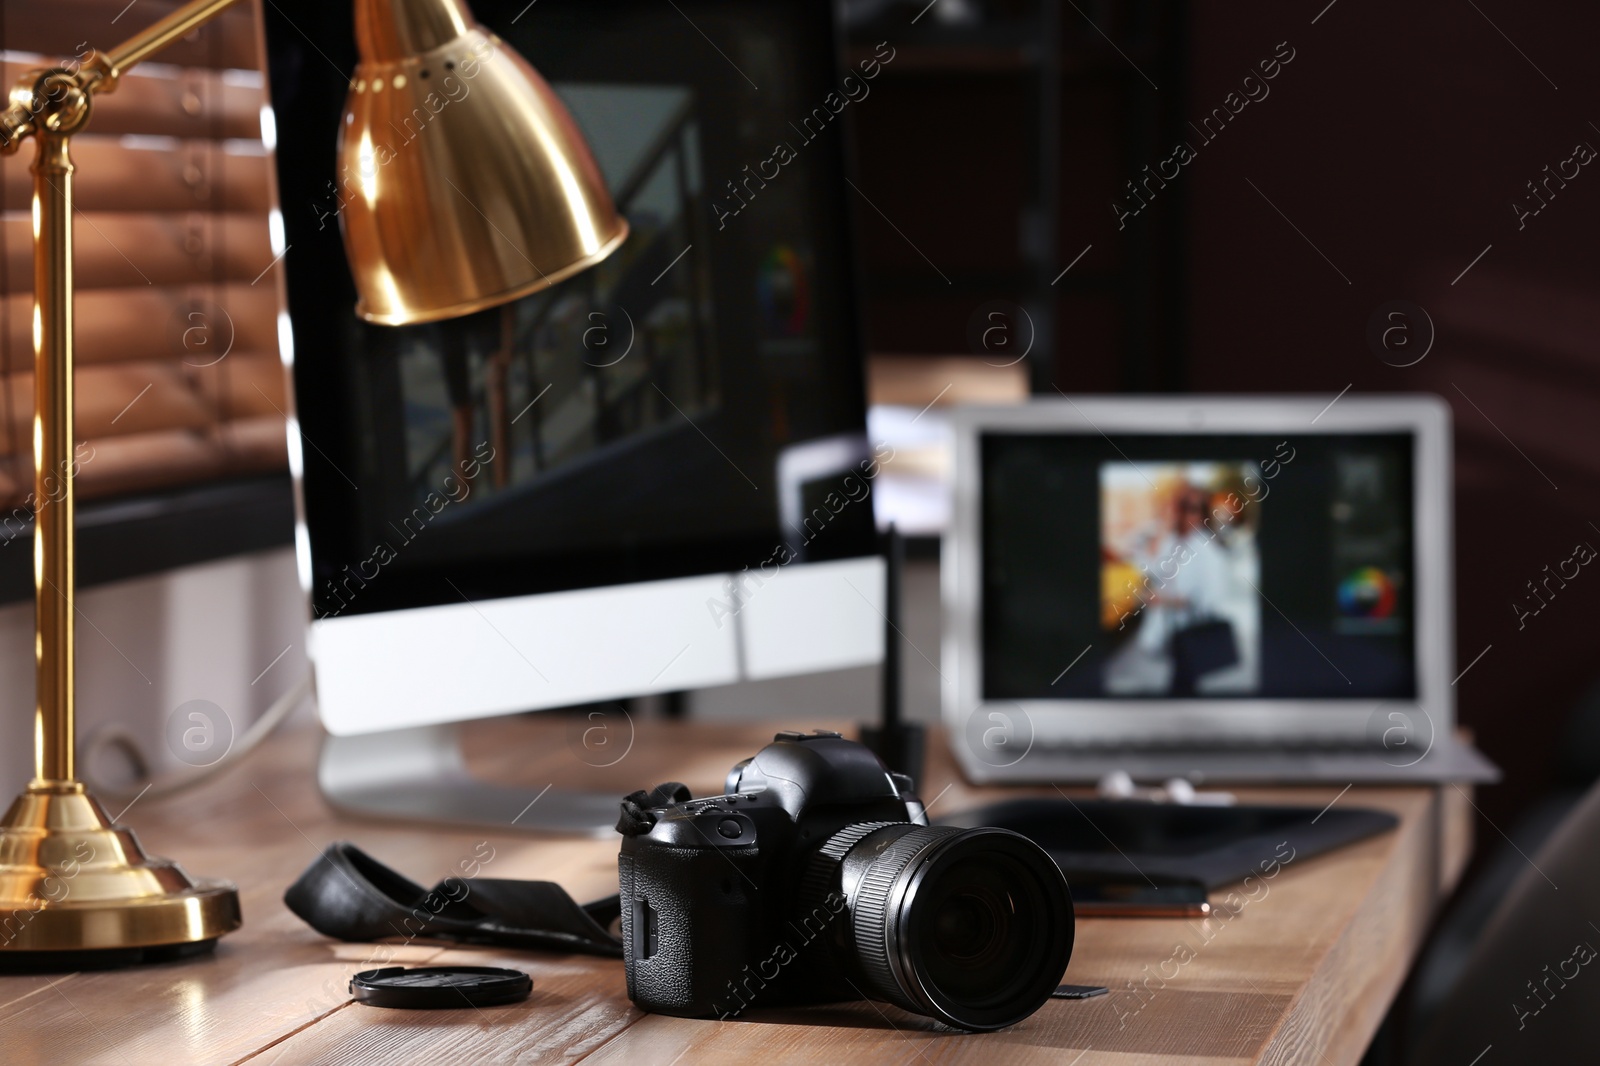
(1092, 746)
(1242, 760)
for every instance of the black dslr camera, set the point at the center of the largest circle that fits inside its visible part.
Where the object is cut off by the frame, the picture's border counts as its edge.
(817, 878)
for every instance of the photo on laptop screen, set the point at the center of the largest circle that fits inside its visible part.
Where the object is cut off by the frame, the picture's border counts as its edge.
(1179, 565)
(1198, 566)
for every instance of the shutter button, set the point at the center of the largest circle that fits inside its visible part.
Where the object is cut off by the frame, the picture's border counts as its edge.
(730, 828)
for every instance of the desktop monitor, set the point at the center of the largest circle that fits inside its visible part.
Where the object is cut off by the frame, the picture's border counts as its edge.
(651, 477)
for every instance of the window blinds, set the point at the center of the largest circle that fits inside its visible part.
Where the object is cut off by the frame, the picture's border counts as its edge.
(179, 296)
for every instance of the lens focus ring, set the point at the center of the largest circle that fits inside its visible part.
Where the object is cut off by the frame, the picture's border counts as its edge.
(874, 919)
(822, 874)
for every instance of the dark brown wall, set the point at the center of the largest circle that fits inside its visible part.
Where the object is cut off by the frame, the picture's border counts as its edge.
(1397, 141)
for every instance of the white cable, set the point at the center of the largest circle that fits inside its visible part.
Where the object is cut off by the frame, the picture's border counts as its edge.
(120, 737)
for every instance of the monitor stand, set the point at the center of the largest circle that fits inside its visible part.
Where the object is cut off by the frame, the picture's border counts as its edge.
(420, 774)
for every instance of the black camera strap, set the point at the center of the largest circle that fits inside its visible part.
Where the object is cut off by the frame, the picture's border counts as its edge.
(348, 895)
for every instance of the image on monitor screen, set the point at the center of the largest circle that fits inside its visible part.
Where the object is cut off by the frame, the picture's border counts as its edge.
(540, 383)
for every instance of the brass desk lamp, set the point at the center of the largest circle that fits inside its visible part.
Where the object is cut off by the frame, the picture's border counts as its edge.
(496, 198)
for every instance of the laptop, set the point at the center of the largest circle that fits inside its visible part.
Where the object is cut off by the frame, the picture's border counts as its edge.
(1224, 589)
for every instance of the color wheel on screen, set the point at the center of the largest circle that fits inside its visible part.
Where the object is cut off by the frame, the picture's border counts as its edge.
(1367, 593)
(783, 292)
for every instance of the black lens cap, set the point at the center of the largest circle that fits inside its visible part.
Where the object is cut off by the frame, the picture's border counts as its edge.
(438, 987)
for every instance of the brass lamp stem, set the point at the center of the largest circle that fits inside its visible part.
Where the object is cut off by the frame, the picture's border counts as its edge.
(53, 563)
(51, 106)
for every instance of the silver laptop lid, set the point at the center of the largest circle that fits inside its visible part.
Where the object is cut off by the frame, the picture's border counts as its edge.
(1198, 569)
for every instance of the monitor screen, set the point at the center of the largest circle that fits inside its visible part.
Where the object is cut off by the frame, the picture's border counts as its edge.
(1198, 566)
(627, 424)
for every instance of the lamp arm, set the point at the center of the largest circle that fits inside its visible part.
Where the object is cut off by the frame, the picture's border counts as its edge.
(58, 97)
(162, 32)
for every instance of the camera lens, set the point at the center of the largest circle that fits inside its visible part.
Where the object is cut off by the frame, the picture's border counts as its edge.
(970, 926)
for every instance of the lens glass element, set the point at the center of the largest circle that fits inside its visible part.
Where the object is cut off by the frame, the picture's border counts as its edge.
(971, 926)
(977, 920)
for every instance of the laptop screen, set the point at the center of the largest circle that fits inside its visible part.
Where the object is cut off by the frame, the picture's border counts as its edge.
(1198, 566)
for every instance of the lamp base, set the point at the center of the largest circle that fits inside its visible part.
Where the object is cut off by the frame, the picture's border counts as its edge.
(26, 962)
(78, 892)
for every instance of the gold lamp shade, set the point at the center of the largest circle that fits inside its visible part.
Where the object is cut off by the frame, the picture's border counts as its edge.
(463, 181)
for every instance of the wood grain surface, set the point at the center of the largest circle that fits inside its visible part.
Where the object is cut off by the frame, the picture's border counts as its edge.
(1295, 968)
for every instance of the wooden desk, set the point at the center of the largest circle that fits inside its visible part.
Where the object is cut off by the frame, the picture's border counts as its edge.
(1303, 973)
